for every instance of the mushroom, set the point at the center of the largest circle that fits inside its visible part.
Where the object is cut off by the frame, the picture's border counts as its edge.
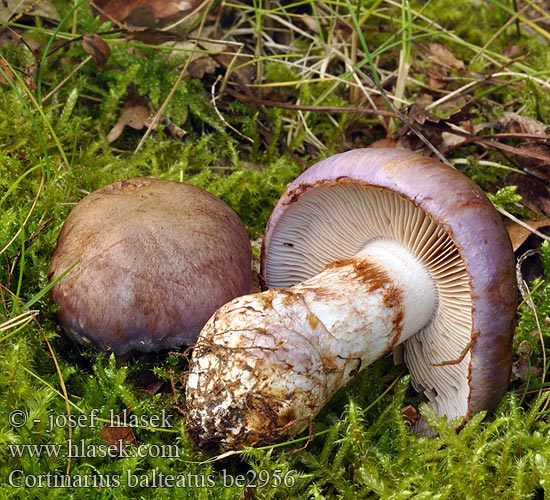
(365, 251)
(155, 259)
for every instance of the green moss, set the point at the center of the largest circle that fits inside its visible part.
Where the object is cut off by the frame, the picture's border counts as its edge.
(537, 103)
(52, 153)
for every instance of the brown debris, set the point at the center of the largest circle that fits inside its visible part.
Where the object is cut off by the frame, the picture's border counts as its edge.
(152, 37)
(519, 234)
(535, 192)
(442, 56)
(95, 46)
(16, 9)
(117, 436)
(144, 13)
(515, 123)
(523, 371)
(6, 74)
(134, 115)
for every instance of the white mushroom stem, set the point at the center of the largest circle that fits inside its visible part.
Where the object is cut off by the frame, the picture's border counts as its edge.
(265, 364)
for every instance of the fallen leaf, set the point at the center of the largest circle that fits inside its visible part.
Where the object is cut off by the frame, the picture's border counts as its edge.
(523, 370)
(151, 36)
(450, 140)
(30, 76)
(311, 22)
(117, 436)
(244, 73)
(436, 80)
(114, 434)
(464, 113)
(438, 54)
(536, 159)
(418, 114)
(6, 74)
(134, 114)
(95, 46)
(16, 9)
(519, 234)
(534, 191)
(144, 13)
(201, 66)
(515, 123)
(512, 51)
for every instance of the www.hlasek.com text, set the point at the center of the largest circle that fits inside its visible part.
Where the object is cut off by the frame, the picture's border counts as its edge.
(81, 448)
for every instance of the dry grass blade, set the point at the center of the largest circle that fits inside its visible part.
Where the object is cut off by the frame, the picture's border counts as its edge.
(526, 294)
(28, 216)
(20, 319)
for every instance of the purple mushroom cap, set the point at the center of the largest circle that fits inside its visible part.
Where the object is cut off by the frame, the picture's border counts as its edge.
(154, 260)
(462, 361)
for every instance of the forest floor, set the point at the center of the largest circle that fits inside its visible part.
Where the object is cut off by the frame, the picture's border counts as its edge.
(239, 98)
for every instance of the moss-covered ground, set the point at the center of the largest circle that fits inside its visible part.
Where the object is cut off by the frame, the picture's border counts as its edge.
(246, 96)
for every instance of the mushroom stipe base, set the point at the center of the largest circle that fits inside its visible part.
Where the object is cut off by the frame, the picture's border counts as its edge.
(256, 353)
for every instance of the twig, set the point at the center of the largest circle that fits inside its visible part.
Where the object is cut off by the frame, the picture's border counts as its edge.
(407, 122)
(522, 224)
(303, 107)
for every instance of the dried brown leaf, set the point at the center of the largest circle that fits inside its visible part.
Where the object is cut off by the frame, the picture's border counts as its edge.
(144, 13)
(534, 192)
(95, 46)
(134, 115)
(244, 73)
(6, 74)
(113, 434)
(201, 66)
(116, 437)
(516, 123)
(519, 234)
(536, 159)
(418, 114)
(16, 9)
(523, 370)
(438, 54)
(465, 113)
(436, 80)
(30, 76)
(152, 37)
(310, 22)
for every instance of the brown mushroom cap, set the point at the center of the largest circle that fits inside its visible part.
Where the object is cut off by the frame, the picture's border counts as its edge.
(155, 259)
(462, 359)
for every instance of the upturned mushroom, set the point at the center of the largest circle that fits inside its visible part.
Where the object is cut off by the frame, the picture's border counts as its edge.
(155, 259)
(365, 251)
